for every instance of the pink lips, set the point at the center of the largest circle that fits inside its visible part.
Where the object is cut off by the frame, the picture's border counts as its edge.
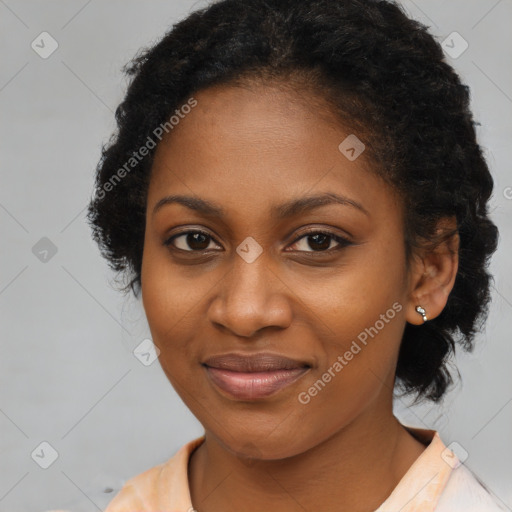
(249, 377)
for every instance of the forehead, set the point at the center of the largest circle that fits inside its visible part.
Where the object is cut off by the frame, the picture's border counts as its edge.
(253, 147)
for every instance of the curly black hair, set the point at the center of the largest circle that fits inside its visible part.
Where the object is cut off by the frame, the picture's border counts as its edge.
(385, 75)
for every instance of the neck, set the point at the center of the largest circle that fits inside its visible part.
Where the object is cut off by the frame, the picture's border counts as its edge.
(355, 469)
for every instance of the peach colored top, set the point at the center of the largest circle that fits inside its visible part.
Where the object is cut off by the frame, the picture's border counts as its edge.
(436, 481)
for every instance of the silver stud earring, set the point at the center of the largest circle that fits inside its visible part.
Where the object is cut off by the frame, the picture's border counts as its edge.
(422, 312)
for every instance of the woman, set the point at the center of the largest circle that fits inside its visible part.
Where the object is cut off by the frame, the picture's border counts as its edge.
(297, 194)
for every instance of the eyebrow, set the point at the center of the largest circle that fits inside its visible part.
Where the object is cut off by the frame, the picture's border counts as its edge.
(288, 209)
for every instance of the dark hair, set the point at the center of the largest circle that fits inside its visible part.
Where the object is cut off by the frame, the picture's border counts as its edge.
(385, 76)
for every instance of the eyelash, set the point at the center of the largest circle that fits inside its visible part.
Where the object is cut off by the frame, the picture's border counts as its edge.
(343, 242)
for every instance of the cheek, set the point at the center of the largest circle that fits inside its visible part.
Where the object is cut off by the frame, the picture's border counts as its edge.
(361, 314)
(357, 370)
(355, 296)
(174, 300)
(167, 301)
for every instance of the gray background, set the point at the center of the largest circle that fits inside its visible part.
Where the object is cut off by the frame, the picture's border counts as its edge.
(68, 373)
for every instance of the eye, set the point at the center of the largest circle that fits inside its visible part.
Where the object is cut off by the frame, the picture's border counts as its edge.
(196, 240)
(320, 241)
(199, 241)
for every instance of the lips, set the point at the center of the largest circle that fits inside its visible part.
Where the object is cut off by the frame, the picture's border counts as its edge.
(255, 376)
(262, 362)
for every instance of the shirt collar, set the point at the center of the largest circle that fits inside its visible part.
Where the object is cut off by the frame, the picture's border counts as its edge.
(420, 488)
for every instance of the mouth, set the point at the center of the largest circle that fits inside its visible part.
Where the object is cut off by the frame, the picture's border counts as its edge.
(252, 377)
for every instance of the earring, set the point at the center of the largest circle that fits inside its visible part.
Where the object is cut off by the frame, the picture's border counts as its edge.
(422, 312)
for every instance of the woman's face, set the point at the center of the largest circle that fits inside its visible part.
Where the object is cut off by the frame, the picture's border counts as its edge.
(258, 282)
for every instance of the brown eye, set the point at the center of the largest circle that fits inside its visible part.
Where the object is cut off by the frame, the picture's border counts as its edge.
(320, 241)
(190, 241)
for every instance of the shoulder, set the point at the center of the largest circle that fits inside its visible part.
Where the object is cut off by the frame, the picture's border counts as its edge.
(136, 491)
(160, 486)
(465, 492)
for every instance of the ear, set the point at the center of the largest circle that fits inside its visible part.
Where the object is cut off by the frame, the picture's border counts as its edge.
(432, 275)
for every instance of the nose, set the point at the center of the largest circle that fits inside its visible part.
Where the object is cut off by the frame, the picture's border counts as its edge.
(250, 297)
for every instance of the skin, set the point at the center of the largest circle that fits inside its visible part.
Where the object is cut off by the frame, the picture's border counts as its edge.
(247, 149)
